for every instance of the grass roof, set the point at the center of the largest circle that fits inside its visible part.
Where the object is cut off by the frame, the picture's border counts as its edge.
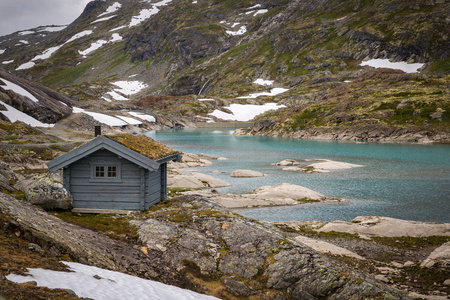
(143, 145)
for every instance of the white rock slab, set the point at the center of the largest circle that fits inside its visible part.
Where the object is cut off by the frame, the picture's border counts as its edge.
(388, 227)
(247, 173)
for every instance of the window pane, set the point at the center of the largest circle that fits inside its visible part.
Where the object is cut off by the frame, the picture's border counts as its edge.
(112, 171)
(99, 171)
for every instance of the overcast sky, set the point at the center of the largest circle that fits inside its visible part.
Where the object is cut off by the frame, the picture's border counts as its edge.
(18, 15)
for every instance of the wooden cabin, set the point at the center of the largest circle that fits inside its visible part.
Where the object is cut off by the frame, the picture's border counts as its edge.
(121, 172)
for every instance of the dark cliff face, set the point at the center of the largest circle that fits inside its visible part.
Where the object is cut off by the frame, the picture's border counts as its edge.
(50, 108)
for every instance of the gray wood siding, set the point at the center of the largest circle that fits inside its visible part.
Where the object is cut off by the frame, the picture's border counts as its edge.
(123, 193)
(153, 189)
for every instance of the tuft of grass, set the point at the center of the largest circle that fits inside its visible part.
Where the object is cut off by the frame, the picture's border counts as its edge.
(412, 243)
(115, 226)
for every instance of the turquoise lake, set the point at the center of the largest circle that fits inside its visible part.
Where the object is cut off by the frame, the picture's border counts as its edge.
(405, 181)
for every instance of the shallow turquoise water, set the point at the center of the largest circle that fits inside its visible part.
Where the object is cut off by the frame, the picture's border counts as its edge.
(404, 181)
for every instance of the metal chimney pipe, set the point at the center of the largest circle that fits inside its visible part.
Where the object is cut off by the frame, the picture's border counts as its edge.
(98, 130)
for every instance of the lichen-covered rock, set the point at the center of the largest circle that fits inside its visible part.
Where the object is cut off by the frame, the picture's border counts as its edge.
(192, 242)
(199, 237)
(7, 177)
(47, 191)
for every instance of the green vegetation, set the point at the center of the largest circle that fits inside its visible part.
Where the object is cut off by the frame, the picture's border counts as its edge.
(412, 243)
(440, 67)
(174, 191)
(115, 226)
(68, 75)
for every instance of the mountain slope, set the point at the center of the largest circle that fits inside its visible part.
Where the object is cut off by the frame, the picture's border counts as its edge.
(219, 48)
(20, 98)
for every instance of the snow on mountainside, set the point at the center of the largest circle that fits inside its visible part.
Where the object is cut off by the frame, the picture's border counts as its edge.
(39, 106)
(217, 49)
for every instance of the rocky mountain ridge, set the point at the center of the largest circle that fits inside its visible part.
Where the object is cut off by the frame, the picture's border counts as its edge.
(217, 49)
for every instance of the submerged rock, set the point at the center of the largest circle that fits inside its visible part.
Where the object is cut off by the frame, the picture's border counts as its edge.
(247, 173)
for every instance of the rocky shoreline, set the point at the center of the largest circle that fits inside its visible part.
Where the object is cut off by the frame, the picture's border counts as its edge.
(363, 133)
(196, 242)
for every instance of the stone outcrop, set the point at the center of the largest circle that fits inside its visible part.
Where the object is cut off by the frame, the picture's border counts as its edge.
(81, 244)
(200, 237)
(197, 240)
(195, 180)
(50, 107)
(439, 255)
(277, 195)
(387, 227)
(47, 192)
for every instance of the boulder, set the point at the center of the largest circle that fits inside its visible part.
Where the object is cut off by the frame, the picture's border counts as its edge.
(247, 173)
(47, 192)
(287, 190)
(328, 165)
(439, 255)
(287, 162)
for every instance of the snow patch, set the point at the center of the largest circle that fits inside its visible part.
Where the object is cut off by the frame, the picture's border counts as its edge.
(261, 81)
(49, 52)
(129, 87)
(26, 32)
(98, 44)
(241, 31)
(117, 96)
(52, 28)
(100, 284)
(385, 63)
(113, 8)
(130, 121)
(7, 62)
(118, 28)
(79, 35)
(16, 115)
(102, 118)
(255, 6)
(273, 92)
(2, 51)
(94, 46)
(260, 12)
(25, 66)
(147, 13)
(103, 19)
(206, 99)
(25, 42)
(142, 116)
(18, 90)
(244, 112)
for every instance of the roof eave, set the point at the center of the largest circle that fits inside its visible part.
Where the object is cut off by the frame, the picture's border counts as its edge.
(99, 143)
